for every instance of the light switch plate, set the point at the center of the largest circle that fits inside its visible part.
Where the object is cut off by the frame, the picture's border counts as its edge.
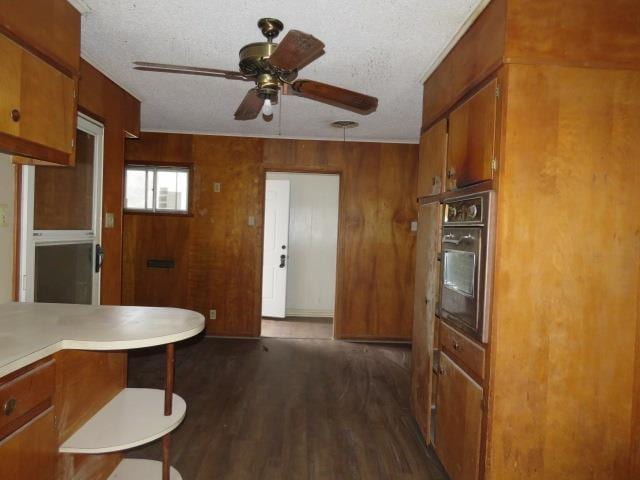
(414, 226)
(251, 221)
(212, 314)
(4, 220)
(109, 220)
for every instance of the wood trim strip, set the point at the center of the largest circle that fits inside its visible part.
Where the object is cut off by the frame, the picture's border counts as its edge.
(17, 226)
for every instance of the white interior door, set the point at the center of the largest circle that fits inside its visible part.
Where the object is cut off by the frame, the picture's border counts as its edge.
(276, 241)
(60, 225)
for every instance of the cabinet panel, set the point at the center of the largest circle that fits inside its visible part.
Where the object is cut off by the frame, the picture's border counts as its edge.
(31, 452)
(458, 421)
(471, 147)
(433, 156)
(425, 296)
(37, 108)
(47, 107)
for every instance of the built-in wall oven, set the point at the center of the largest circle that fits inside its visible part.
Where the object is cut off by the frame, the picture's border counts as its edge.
(467, 258)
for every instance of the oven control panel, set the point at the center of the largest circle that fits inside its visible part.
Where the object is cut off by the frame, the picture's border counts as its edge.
(469, 210)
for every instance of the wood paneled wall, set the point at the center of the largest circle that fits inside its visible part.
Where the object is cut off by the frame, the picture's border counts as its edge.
(105, 101)
(219, 256)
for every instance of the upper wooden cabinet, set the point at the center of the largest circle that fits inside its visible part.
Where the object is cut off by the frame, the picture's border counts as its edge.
(37, 106)
(433, 155)
(49, 27)
(471, 150)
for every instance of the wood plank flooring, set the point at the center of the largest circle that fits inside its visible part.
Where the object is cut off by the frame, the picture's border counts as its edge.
(290, 409)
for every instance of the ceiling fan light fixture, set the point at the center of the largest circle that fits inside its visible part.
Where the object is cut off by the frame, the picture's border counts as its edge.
(267, 107)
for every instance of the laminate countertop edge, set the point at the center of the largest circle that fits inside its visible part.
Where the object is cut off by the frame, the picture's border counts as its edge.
(32, 331)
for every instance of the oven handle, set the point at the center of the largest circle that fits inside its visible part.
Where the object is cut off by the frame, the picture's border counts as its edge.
(451, 238)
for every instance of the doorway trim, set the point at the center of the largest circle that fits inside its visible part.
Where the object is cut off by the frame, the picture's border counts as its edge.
(341, 192)
(30, 238)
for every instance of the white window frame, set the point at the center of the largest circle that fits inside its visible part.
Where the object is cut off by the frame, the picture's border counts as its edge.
(155, 168)
(30, 238)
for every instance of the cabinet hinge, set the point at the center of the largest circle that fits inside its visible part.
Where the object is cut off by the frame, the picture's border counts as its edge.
(497, 91)
(494, 164)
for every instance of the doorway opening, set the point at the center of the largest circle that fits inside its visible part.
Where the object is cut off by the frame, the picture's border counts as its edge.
(299, 254)
(60, 252)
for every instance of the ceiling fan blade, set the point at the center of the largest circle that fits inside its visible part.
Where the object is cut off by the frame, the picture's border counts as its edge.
(212, 72)
(250, 106)
(336, 96)
(296, 50)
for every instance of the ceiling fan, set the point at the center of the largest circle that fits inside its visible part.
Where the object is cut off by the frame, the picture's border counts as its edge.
(274, 67)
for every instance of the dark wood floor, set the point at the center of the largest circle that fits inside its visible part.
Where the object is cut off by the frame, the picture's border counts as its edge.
(290, 409)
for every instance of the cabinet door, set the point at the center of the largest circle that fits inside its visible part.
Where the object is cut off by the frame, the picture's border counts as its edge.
(458, 421)
(31, 452)
(433, 156)
(37, 106)
(471, 147)
(425, 297)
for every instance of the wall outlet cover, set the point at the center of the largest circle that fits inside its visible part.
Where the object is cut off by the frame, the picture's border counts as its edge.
(414, 226)
(212, 314)
(216, 187)
(4, 220)
(251, 221)
(109, 220)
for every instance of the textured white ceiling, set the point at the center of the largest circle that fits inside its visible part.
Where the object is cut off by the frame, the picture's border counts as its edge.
(378, 47)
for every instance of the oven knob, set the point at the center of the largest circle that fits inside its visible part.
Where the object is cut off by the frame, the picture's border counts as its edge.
(452, 212)
(472, 211)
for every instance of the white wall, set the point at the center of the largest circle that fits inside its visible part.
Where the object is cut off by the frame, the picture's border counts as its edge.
(313, 235)
(6, 231)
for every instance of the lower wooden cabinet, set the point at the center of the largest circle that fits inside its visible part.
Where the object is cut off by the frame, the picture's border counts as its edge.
(458, 421)
(31, 451)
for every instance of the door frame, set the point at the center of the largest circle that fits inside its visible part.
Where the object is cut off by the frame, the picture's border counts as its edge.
(338, 288)
(30, 238)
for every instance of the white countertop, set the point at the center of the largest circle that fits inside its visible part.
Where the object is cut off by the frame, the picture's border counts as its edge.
(32, 331)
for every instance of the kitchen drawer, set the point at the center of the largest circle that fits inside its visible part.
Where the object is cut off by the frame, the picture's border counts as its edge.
(25, 394)
(468, 353)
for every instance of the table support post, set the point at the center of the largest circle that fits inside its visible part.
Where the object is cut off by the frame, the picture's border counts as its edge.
(168, 407)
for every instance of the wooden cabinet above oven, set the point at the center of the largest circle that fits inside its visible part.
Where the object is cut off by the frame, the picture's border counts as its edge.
(472, 132)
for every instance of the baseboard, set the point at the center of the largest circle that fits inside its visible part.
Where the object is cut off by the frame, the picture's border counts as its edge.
(307, 312)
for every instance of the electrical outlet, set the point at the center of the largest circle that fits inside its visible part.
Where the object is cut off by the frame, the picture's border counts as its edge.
(3, 215)
(414, 226)
(212, 314)
(251, 221)
(216, 187)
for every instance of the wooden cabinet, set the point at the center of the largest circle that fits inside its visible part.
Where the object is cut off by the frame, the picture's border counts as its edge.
(28, 439)
(425, 298)
(458, 421)
(31, 452)
(433, 155)
(37, 106)
(464, 350)
(471, 145)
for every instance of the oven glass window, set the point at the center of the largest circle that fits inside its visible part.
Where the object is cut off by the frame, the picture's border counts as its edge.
(459, 271)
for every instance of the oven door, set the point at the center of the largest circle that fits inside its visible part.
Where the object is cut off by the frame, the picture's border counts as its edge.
(460, 285)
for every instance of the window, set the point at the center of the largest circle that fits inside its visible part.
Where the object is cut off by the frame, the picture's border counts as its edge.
(157, 189)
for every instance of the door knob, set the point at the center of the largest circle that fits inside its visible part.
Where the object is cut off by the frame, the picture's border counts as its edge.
(15, 115)
(282, 260)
